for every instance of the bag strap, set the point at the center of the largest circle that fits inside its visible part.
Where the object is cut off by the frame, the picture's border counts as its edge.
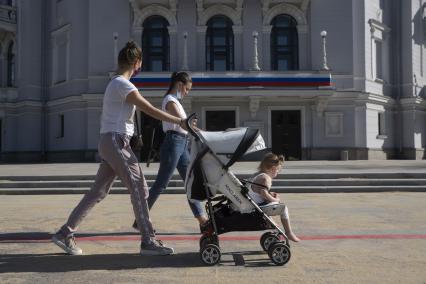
(138, 130)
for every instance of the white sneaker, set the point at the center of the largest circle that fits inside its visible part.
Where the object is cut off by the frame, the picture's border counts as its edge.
(156, 247)
(68, 243)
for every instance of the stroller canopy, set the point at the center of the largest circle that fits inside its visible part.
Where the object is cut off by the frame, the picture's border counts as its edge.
(231, 144)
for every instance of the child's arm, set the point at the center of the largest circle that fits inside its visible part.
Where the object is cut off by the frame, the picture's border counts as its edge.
(269, 197)
(267, 182)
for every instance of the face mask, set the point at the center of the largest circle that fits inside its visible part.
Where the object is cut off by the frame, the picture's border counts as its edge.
(135, 72)
(179, 95)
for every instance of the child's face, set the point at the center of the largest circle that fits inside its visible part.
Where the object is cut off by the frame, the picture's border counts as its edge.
(275, 170)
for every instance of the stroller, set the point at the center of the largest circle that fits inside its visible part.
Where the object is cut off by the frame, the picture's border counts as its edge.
(229, 206)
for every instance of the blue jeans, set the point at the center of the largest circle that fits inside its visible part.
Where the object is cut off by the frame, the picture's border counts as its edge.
(173, 154)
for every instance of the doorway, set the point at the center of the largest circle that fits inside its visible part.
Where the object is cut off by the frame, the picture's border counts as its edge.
(286, 133)
(220, 120)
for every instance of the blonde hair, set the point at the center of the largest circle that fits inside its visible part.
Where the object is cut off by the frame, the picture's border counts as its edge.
(270, 160)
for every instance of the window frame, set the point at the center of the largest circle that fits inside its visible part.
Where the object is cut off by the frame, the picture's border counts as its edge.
(212, 49)
(11, 66)
(293, 46)
(147, 35)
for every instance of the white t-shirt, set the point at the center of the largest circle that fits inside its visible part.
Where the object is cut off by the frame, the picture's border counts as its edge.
(172, 126)
(117, 115)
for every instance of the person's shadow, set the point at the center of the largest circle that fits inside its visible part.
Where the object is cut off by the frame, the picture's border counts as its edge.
(13, 263)
(60, 262)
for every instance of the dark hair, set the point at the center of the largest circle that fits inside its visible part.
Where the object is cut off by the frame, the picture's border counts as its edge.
(178, 77)
(269, 160)
(129, 55)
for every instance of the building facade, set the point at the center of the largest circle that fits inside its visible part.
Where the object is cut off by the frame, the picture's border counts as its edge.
(321, 79)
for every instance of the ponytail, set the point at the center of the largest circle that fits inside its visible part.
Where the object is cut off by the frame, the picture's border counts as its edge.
(178, 77)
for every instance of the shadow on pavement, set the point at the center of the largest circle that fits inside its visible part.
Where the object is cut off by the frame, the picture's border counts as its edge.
(64, 263)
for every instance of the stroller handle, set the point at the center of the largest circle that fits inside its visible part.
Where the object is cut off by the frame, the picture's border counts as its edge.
(188, 122)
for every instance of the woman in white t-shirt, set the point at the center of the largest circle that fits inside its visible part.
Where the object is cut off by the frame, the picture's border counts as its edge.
(174, 149)
(119, 104)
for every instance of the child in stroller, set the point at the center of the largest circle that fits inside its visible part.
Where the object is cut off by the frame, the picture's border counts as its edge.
(267, 200)
(233, 209)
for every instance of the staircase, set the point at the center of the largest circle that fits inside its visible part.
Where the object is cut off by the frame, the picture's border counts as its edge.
(284, 183)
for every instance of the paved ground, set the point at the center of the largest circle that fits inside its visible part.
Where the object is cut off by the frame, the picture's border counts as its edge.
(347, 238)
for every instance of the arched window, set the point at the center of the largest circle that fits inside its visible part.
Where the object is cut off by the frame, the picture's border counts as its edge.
(219, 44)
(284, 44)
(10, 66)
(155, 44)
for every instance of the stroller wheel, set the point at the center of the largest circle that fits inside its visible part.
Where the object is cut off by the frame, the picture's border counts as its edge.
(279, 253)
(210, 254)
(205, 240)
(267, 239)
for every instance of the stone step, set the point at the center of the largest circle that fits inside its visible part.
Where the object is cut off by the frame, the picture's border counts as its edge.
(149, 176)
(179, 183)
(180, 190)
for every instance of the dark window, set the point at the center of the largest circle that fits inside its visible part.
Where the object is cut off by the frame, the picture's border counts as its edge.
(286, 133)
(10, 66)
(219, 44)
(382, 125)
(220, 120)
(1, 138)
(156, 44)
(284, 44)
(61, 126)
(379, 64)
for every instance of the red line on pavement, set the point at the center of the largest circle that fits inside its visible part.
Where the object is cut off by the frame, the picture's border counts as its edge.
(222, 238)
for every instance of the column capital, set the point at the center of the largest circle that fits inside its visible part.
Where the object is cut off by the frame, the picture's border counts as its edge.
(237, 29)
(302, 29)
(172, 29)
(201, 29)
(266, 29)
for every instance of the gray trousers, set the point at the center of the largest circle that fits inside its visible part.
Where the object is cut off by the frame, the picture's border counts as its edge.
(119, 160)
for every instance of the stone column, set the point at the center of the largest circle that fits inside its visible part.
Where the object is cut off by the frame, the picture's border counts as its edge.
(185, 52)
(238, 47)
(304, 54)
(201, 47)
(173, 48)
(266, 50)
(137, 35)
(115, 39)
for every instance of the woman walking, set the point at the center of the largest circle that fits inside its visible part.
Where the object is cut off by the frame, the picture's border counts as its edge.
(174, 149)
(119, 104)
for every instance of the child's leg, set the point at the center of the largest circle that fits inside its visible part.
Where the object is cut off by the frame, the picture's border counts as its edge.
(281, 210)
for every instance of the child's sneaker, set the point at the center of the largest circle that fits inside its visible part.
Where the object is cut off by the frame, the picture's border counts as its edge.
(68, 243)
(156, 247)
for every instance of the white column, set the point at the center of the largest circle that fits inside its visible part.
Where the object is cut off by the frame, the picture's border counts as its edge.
(324, 52)
(115, 38)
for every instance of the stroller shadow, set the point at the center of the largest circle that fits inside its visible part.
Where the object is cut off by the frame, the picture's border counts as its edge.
(248, 259)
(20, 263)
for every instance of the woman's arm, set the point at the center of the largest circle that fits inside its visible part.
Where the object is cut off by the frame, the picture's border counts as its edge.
(172, 108)
(141, 103)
